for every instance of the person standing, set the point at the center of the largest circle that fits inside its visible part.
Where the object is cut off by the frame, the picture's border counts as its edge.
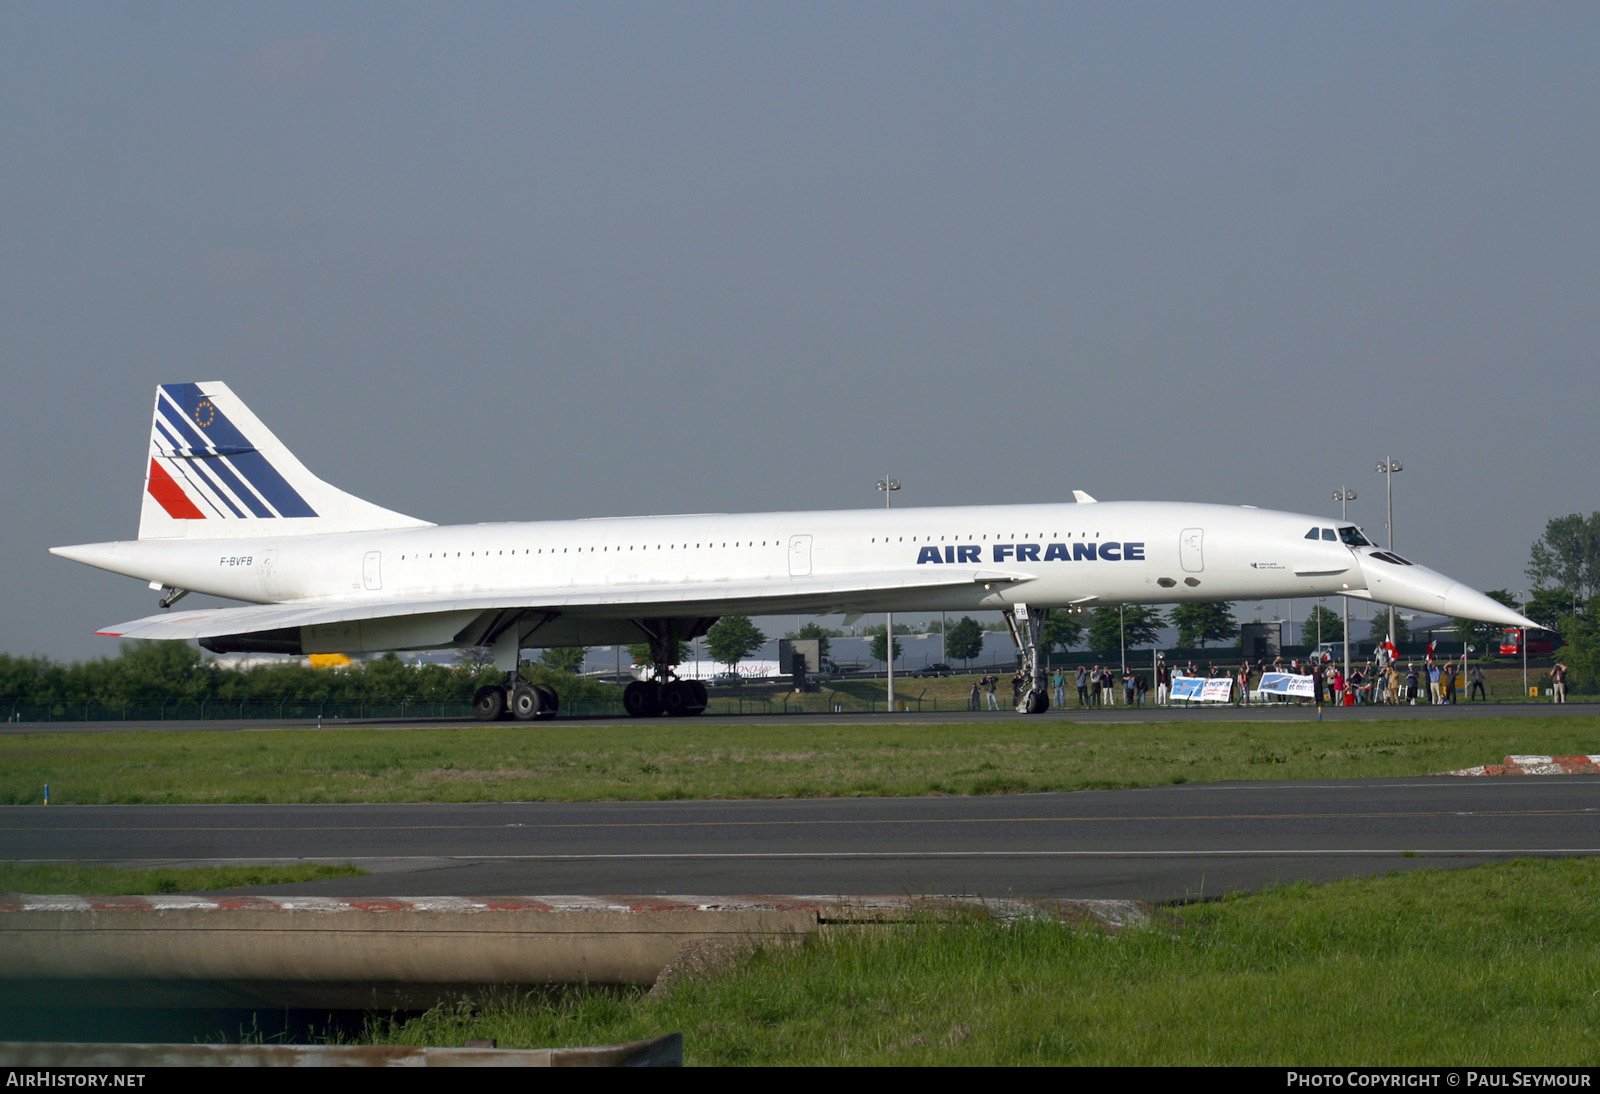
(1475, 679)
(1163, 685)
(1058, 680)
(989, 683)
(1558, 683)
(1082, 680)
(973, 702)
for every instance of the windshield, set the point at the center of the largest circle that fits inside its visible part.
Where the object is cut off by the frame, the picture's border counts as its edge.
(1352, 537)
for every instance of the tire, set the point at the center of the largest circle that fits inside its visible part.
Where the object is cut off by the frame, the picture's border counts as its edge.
(700, 699)
(676, 699)
(526, 703)
(489, 703)
(1037, 701)
(550, 702)
(642, 699)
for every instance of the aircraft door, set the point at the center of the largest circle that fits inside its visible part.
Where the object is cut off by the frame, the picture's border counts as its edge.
(799, 556)
(371, 571)
(1190, 545)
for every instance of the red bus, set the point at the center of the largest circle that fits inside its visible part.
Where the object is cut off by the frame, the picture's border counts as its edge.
(1540, 643)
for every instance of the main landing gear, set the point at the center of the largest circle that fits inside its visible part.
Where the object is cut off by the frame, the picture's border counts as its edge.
(516, 699)
(664, 693)
(678, 698)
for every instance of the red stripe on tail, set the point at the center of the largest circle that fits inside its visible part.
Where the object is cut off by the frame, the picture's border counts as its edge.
(171, 495)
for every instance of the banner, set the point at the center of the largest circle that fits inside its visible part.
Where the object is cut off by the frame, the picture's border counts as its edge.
(1195, 689)
(1286, 683)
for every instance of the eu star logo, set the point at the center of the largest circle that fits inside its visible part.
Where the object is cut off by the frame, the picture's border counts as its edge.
(204, 413)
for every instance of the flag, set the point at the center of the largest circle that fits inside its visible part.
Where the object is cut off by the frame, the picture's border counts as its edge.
(1432, 644)
(1388, 647)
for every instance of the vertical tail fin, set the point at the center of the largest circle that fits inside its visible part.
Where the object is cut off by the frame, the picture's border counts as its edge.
(215, 471)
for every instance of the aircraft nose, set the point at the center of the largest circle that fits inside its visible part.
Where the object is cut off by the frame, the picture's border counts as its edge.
(1464, 602)
(1392, 580)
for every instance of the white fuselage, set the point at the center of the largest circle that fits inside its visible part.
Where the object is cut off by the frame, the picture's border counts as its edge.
(1110, 552)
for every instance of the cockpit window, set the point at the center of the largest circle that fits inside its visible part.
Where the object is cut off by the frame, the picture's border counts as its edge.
(1311, 534)
(1327, 534)
(1352, 537)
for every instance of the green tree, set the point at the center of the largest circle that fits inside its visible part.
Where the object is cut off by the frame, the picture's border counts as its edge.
(733, 638)
(879, 643)
(1548, 606)
(1199, 624)
(964, 640)
(640, 652)
(1568, 555)
(1580, 649)
(1380, 627)
(1111, 629)
(1327, 623)
(568, 659)
(1063, 629)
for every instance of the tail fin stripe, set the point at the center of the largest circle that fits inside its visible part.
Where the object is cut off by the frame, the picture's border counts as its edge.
(217, 432)
(197, 490)
(217, 471)
(171, 495)
(218, 466)
(207, 489)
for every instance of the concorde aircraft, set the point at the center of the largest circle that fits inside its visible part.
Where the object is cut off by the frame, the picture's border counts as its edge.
(229, 511)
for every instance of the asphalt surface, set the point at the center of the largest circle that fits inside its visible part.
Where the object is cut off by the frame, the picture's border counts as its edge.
(1269, 712)
(1158, 844)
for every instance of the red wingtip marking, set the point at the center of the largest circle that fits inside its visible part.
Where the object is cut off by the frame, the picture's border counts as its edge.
(108, 634)
(170, 495)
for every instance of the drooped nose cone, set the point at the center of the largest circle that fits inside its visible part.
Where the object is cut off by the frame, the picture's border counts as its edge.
(1395, 580)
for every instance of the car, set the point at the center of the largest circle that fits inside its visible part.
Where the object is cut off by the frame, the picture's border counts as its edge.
(726, 679)
(938, 668)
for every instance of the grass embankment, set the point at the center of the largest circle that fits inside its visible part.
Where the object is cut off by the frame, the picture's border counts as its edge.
(670, 760)
(1490, 966)
(111, 881)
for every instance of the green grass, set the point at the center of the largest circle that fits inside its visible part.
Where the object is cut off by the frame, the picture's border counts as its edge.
(670, 759)
(1490, 966)
(111, 881)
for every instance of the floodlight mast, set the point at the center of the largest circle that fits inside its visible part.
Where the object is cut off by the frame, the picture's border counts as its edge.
(1344, 495)
(1387, 468)
(888, 485)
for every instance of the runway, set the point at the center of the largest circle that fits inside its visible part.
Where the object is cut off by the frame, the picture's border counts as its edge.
(1159, 844)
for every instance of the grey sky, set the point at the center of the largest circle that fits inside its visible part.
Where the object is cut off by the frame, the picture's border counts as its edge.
(484, 262)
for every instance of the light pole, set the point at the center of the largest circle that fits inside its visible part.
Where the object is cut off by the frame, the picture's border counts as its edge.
(888, 485)
(1387, 468)
(1343, 495)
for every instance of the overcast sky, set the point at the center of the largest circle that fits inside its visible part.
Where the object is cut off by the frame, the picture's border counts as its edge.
(516, 261)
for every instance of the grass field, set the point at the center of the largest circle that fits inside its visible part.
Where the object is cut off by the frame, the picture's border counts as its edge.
(111, 881)
(671, 760)
(1489, 966)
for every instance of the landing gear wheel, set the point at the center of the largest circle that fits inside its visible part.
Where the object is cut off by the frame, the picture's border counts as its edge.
(676, 698)
(1037, 701)
(489, 703)
(549, 701)
(526, 703)
(642, 699)
(699, 700)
